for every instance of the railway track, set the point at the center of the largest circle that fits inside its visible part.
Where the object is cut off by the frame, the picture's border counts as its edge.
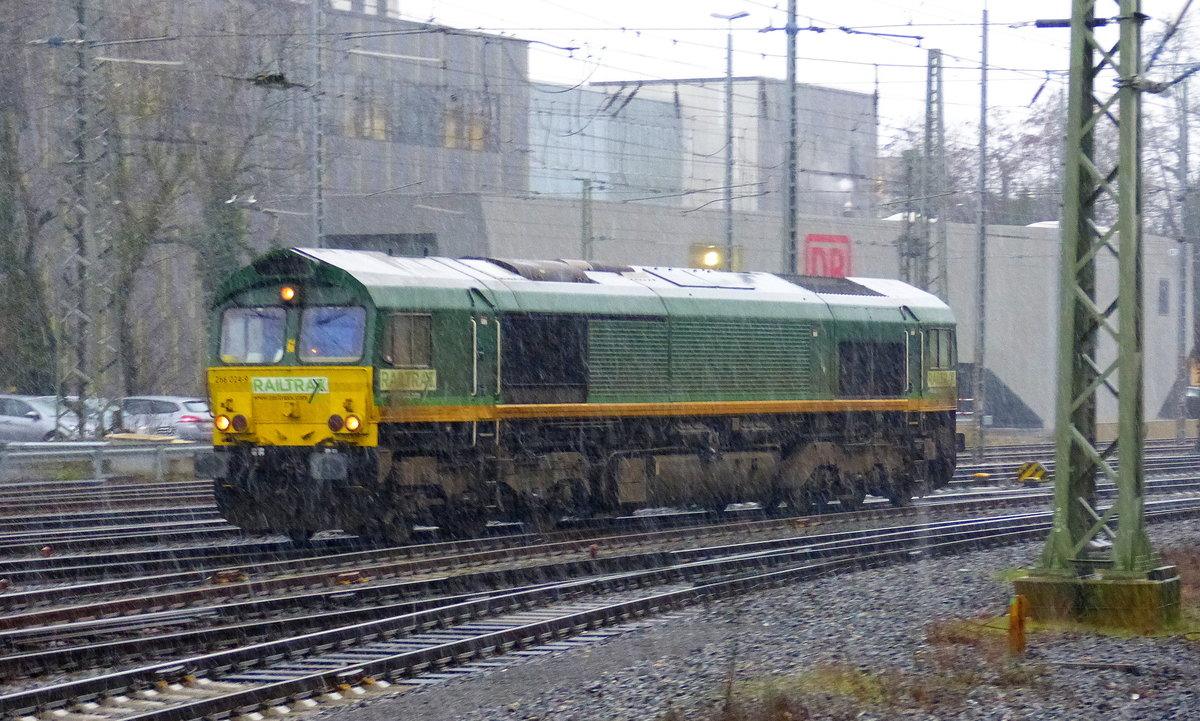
(182, 564)
(33, 512)
(212, 619)
(399, 648)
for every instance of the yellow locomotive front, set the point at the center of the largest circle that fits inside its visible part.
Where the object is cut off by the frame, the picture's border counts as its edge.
(295, 424)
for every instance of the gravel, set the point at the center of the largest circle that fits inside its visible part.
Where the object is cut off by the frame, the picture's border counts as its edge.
(874, 621)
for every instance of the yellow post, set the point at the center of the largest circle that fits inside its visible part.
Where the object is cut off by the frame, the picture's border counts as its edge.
(1016, 625)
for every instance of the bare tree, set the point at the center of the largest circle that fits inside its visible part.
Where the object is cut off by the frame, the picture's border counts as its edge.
(26, 333)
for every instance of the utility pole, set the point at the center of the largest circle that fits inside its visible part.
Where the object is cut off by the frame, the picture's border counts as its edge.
(585, 220)
(911, 246)
(729, 134)
(790, 239)
(1077, 578)
(980, 389)
(317, 132)
(1189, 220)
(1186, 239)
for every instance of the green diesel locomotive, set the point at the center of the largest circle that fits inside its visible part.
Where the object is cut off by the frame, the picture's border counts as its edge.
(371, 393)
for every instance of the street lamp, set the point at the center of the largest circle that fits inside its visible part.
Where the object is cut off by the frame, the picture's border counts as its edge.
(729, 134)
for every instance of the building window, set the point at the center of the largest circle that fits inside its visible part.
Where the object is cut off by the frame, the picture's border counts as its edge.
(1164, 296)
(467, 122)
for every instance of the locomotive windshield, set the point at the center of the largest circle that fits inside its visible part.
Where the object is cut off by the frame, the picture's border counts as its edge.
(252, 335)
(332, 334)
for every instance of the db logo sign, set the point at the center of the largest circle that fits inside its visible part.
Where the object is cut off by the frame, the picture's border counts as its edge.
(827, 255)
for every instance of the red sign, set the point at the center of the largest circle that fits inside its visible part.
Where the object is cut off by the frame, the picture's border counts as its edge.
(827, 255)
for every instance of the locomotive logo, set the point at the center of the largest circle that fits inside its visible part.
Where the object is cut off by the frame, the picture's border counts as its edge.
(827, 255)
(289, 385)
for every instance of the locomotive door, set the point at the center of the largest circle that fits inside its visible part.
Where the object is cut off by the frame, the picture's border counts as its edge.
(485, 388)
(485, 343)
(914, 354)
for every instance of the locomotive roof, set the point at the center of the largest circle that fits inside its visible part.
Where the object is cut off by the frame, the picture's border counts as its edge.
(577, 286)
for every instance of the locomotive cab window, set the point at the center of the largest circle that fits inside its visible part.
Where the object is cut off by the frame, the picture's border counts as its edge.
(252, 335)
(939, 349)
(408, 341)
(332, 334)
(871, 369)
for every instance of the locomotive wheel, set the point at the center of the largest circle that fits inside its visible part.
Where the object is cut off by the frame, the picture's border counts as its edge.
(464, 522)
(851, 499)
(392, 529)
(299, 537)
(770, 505)
(899, 490)
(802, 502)
(543, 520)
(900, 496)
(850, 492)
(717, 508)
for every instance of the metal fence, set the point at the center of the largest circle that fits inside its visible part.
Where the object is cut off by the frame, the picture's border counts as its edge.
(71, 460)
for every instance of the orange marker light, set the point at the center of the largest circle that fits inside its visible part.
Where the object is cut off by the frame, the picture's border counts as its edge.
(353, 423)
(222, 423)
(288, 293)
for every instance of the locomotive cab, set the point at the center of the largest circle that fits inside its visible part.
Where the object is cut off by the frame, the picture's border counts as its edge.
(291, 389)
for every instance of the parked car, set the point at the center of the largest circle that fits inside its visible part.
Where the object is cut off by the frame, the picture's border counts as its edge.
(32, 418)
(99, 414)
(180, 416)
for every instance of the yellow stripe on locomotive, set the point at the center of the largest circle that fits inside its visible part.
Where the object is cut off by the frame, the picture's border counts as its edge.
(290, 406)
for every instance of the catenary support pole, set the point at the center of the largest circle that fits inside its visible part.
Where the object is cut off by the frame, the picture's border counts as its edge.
(585, 218)
(728, 254)
(979, 391)
(317, 132)
(790, 240)
(1080, 578)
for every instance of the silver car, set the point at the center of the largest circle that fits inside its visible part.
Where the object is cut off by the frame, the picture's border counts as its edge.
(184, 417)
(30, 418)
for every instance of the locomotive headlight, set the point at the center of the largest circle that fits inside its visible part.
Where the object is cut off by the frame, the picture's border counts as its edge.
(222, 423)
(336, 423)
(240, 424)
(353, 423)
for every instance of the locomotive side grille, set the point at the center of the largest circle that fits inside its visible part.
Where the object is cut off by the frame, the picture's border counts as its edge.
(740, 359)
(627, 360)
